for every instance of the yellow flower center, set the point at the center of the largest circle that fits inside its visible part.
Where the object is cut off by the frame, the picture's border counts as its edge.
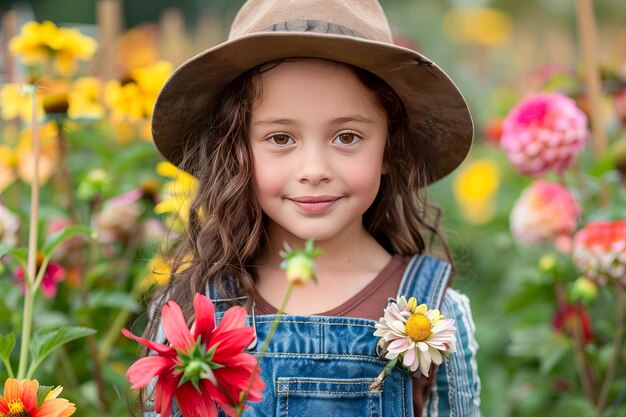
(16, 409)
(418, 327)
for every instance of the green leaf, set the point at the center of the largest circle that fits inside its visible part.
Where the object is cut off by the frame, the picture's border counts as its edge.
(58, 238)
(43, 343)
(21, 254)
(42, 392)
(111, 299)
(7, 343)
(575, 406)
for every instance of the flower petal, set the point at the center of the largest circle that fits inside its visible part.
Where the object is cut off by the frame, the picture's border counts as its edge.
(156, 347)
(145, 369)
(409, 357)
(205, 317)
(175, 327)
(55, 407)
(234, 318)
(231, 342)
(193, 403)
(164, 392)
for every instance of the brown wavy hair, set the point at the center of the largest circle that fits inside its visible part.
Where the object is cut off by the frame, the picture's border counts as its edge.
(226, 229)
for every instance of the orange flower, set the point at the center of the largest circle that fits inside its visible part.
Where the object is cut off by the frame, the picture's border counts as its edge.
(20, 399)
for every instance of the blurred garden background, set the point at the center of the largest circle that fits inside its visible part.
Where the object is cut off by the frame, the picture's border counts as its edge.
(534, 216)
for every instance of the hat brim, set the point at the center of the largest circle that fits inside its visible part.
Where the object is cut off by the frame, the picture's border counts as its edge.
(439, 117)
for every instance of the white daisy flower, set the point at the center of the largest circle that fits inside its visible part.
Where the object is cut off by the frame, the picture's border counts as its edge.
(414, 336)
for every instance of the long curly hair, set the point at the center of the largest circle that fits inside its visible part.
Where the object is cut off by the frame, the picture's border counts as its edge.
(226, 228)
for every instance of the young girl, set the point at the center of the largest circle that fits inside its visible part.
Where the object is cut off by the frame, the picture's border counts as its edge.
(308, 123)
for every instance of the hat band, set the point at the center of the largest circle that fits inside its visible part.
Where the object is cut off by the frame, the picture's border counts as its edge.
(317, 26)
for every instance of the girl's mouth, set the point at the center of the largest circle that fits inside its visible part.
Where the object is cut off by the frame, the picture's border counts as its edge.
(314, 204)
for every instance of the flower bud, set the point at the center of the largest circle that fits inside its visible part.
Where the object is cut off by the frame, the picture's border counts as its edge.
(584, 289)
(299, 269)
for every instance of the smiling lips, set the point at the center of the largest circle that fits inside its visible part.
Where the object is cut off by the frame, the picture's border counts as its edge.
(314, 204)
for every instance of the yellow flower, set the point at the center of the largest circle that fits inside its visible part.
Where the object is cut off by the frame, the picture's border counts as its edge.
(38, 43)
(14, 104)
(135, 99)
(158, 272)
(479, 25)
(31, 45)
(176, 194)
(72, 46)
(150, 80)
(48, 159)
(474, 188)
(8, 162)
(124, 100)
(84, 98)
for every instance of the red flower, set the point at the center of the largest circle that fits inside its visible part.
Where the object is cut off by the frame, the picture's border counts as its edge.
(202, 366)
(572, 316)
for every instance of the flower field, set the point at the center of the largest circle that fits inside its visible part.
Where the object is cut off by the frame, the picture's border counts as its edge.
(536, 216)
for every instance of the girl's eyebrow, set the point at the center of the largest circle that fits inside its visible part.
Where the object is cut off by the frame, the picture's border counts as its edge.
(336, 121)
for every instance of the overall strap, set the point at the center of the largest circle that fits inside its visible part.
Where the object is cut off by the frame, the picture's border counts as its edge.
(425, 278)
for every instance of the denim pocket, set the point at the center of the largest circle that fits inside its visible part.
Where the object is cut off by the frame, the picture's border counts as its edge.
(325, 397)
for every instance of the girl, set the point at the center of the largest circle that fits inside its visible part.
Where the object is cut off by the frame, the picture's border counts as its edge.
(308, 123)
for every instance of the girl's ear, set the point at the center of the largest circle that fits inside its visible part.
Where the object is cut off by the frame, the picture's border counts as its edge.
(385, 169)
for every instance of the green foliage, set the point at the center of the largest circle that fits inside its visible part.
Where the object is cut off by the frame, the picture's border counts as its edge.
(44, 343)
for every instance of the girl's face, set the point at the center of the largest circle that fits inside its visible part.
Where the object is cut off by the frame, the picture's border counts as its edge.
(317, 137)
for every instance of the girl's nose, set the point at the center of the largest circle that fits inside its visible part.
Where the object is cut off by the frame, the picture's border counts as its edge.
(314, 165)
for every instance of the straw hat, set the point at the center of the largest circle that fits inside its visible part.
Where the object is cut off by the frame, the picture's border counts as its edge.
(355, 32)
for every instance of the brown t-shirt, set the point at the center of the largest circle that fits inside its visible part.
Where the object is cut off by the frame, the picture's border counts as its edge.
(369, 303)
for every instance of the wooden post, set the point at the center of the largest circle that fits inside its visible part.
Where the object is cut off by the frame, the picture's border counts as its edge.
(173, 41)
(9, 30)
(589, 45)
(110, 24)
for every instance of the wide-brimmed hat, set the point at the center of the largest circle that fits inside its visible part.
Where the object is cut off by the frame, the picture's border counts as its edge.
(354, 32)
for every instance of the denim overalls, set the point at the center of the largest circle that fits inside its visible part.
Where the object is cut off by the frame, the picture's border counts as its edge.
(318, 366)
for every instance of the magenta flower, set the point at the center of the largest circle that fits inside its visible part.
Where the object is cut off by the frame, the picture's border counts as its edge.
(544, 132)
(600, 251)
(546, 212)
(54, 274)
(202, 366)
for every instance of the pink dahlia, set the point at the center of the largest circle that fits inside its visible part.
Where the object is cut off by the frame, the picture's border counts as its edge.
(600, 251)
(544, 132)
(545, 212)
(202, 366)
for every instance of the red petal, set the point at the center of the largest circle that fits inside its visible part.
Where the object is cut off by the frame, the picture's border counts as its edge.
(29, 394)
(236, 379)
(163, 394)
(145, 369)
(175, 328)
(194, 404)
(205, 317)
(231, 342)
(234, 318)
(214, 392)
(156, 347)
(4, 406)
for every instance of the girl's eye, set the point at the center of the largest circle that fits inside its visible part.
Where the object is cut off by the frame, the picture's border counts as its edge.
(280, 139)
(347, 138)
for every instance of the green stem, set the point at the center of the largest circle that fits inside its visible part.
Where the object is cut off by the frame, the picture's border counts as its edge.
(29, 294)
(617, 347)
(268, 338)
(270, 335)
